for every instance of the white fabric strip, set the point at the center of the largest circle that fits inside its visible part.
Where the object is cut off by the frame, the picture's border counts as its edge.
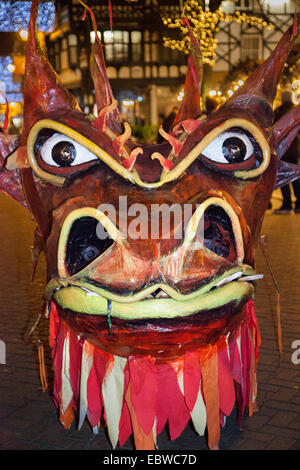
(86, 365)
(113, 394)
(198, 415)
(66, 390)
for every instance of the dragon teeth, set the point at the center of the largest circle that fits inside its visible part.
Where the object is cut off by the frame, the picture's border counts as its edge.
(239, 277)
(90, 293)
(251, 278)
(229, 278)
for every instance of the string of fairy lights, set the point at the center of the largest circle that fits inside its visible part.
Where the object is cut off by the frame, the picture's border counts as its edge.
(218, 95)
(14, 18)
(221, 97)
(199, 23)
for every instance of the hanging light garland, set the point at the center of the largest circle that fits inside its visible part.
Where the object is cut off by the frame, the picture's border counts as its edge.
(14, 15)
(203, 25)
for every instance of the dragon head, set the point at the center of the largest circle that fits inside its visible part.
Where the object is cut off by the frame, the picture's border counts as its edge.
(150, 248)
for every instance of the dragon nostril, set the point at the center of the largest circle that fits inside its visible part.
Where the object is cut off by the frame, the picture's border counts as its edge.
(218, 233)
(84, 245)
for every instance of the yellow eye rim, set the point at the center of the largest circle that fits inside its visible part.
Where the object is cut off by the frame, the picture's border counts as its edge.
(235, 122)
(166, 176)
(80, 139)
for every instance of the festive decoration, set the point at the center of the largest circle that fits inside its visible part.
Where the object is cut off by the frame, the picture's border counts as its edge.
(200, 23)
(14, 16)
(12, 89)
(150, 324)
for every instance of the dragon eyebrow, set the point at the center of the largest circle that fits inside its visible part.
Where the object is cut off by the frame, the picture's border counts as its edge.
(188, 125)
(100, 121)
(173, 141)
(165, 163)
(129, 162)
(119, 141)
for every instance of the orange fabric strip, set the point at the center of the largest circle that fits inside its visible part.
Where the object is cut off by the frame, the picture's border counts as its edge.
(142, 441)
(209, 368)
(66, 417)
(43, 377)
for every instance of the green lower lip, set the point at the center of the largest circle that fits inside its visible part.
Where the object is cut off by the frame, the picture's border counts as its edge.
(78, 300)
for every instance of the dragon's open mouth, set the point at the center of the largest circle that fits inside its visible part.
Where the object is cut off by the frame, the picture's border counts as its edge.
(156, 301)
(80, 251)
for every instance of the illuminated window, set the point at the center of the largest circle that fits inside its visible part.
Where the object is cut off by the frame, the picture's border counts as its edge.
(116, 44)
(250, 47)
(64, 60)
(244, 4)
(151, 46)
(73, 53)
(155, 47)
(136, 46)
(93, 36)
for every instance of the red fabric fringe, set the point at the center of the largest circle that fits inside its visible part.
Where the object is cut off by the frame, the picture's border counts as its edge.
(143, 390)
(156, 393)
(125, 427)
(225, 380)
(191, 377)
(53, 325)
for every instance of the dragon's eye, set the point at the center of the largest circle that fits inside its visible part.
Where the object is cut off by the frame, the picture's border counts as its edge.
(233, 147)
(61, 151)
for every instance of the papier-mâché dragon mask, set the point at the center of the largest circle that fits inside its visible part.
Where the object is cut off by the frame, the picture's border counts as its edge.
(150, 330)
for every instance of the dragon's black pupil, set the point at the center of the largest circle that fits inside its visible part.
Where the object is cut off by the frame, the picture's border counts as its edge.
(234, 150)
(64, 153)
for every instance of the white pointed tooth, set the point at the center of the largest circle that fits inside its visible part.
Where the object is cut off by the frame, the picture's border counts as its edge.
(161, 295)
(252, 278)
(229, 278)
(90, 292)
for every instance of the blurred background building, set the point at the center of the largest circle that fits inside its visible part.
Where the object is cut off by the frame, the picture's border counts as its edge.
(144, 49)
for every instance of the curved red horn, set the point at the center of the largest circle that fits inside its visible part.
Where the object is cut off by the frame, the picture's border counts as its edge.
(105, 100)
(43, 91)
(259, 91)
(191, 103)
(103, 91)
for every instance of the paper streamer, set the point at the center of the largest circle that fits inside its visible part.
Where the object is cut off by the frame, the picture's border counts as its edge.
(141, 395)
